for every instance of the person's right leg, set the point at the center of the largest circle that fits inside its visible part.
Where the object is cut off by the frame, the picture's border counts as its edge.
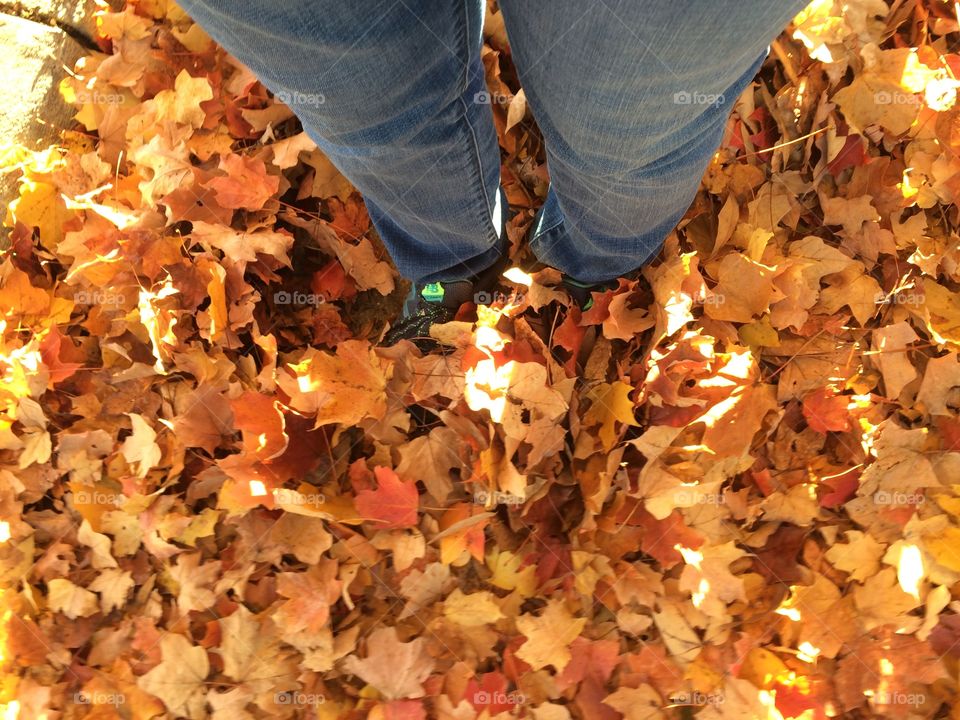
(388, 94)
(632, 98)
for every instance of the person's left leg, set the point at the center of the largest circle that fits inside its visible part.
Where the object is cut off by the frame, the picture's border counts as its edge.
(388, 92)
(632, 98)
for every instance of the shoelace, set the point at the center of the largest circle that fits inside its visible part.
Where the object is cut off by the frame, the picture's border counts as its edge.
(416, 326)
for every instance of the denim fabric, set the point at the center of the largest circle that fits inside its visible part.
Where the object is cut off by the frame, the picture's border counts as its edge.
(631, 97)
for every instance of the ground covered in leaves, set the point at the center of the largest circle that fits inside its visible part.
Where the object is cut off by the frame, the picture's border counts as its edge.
(729, 490)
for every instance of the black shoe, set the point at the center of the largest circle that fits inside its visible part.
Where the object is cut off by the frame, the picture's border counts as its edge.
(438, 302)
(427, 305)
(582, 293)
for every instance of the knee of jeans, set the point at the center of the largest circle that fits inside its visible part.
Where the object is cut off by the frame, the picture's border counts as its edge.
(640, 153)
(379, 120)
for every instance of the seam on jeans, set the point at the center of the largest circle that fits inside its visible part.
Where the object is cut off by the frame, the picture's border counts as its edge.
(476, 161)
(478, 170)
(541, 233)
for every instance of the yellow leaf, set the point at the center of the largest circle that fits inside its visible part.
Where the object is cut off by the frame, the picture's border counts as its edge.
(610, 403)
(343, 388)
(472, 610)
(40, 206)
(18, 297)
(217, 291)
(945, 548)
(943, 312)
(549, 636)
(507, 575)
(182, 104)
(759, 333)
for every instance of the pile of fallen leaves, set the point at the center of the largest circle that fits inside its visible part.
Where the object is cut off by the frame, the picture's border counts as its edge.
(728, 490)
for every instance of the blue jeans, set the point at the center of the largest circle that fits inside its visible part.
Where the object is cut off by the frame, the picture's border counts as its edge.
(632, 97)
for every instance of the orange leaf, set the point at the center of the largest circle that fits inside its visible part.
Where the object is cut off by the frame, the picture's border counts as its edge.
(393, 504)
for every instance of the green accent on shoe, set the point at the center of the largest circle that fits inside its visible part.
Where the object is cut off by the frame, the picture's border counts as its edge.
(432, 292)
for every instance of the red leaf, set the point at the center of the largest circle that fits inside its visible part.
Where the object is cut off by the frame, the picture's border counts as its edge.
(332, 282)
(55, 352)
(844, 487)
(826, 412)
(393, 504)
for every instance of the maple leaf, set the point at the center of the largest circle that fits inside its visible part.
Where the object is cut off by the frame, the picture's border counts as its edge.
(343, 388)
(882, 666)
(640, 703)
(939, 390)
(179, 679)
(310, 595)
(182, 104)
(141, 447)
(826, 412)
(611, 403)
(262, 424)
(252, 653)
(71, 600)
(244, 245)
(393, 504)
(745, 289)
(395, 668)
(549, 636)
(471, 610)
(247, 185)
